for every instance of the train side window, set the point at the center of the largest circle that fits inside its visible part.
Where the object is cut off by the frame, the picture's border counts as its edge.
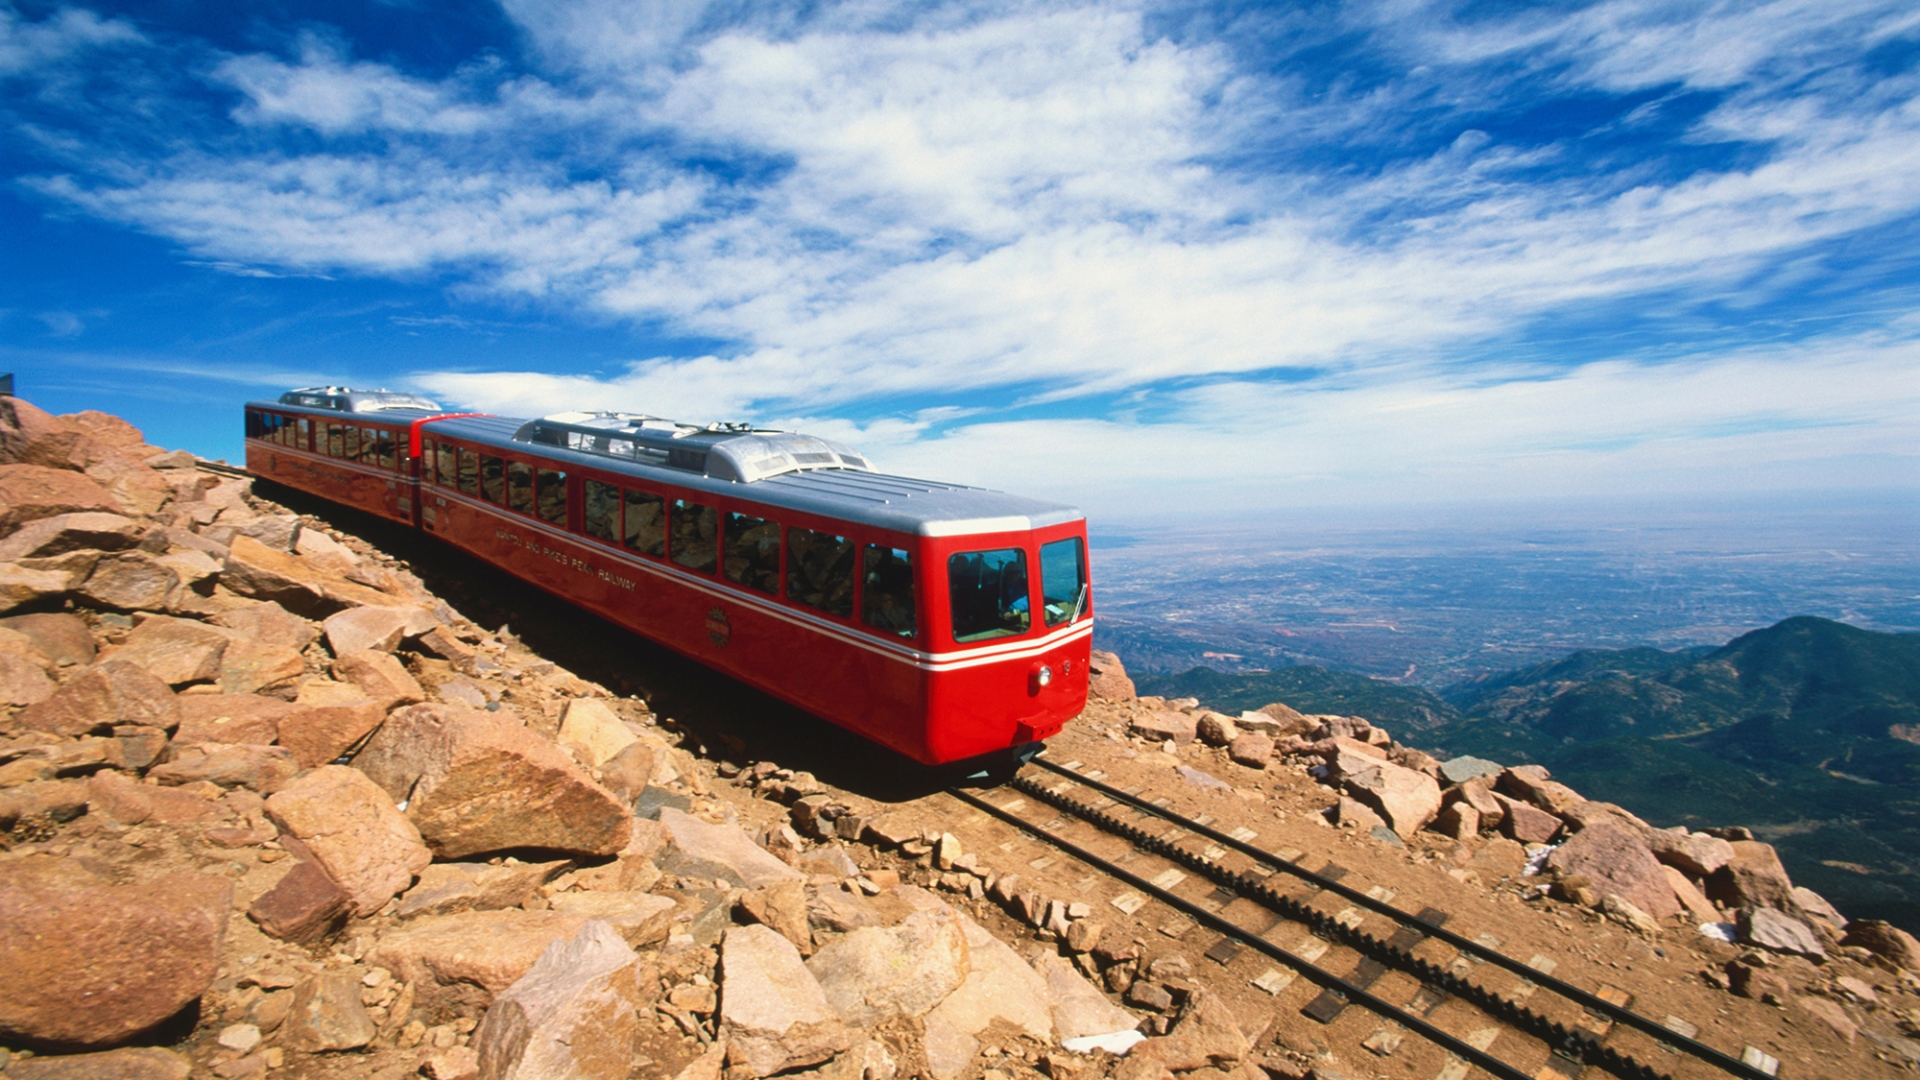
(493, 479)
(273, 428)
(255, 424)
(520, 487)
(336, 439)
(445, 468)
(469, 471)
(388, 457)
(301, 439)
(753, 552)
(370, 446)
(694, 528)
(988, 590)
(552, 502)
(819, 570)
(600, 506)
(1063, 580)
(646, 523)
(886, 600)
(350, 442)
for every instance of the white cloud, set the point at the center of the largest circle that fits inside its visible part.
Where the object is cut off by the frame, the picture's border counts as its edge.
(334, 96)
(988, 131)
(62, 324)
(1754, 421)
(1622, 45)
(526, 232)
(38, 46)
(607, 36)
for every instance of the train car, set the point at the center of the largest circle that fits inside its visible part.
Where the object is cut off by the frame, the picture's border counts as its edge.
(945, 622)
(360, 448)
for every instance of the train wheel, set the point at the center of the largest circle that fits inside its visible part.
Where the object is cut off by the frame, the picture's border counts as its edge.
(992, 770)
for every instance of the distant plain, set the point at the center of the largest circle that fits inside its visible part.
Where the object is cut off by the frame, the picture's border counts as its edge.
(1435, 596)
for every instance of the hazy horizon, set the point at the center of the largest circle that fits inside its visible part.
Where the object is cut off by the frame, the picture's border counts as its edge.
(1454, 592)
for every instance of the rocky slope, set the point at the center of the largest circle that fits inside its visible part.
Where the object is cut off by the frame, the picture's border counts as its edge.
(270, 807)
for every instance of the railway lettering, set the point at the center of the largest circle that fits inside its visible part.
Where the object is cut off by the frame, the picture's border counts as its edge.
(318, 472)
(566, 559)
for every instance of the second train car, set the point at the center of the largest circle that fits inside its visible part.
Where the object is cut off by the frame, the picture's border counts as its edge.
(945, 622)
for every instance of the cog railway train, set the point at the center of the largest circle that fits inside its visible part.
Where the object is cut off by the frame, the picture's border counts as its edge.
(945, 622)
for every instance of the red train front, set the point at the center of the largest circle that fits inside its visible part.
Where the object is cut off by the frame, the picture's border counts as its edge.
(945, 622)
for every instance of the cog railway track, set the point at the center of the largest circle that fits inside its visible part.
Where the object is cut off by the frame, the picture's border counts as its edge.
(1564, 1029)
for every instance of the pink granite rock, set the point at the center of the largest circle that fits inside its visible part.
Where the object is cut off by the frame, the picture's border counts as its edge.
(1613, 858)
(353, 830)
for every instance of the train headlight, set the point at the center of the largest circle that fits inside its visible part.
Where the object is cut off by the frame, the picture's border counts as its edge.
(1046, 675)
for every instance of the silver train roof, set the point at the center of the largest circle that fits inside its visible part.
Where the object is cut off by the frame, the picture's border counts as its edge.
(784, 469)
(341, 399)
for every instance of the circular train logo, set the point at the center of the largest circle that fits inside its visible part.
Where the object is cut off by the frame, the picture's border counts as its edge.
(718, 629)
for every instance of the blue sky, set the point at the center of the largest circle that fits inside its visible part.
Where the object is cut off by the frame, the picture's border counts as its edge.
(1143, 258)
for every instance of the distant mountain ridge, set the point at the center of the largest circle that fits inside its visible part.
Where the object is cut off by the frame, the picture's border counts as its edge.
(1821, 675)
(1807, 731)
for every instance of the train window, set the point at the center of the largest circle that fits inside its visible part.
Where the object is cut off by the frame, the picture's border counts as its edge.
(336, 439)
(370, 446)
(300, 435)
(350, 443)
(552, 489)
(254, 424)
(388, 458)
(493, 479)
(753, 552)
(819, 570)
(989, 594)
(520, 487)
(646, 527)
(886, 601)
(1063, 580)
(469, 471)
(600, 504)
(445, 470)
(693, 528)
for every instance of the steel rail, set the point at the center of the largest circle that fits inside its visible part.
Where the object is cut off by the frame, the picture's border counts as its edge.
(1590, 1002)
(1419, 1025)
(1571, 1043)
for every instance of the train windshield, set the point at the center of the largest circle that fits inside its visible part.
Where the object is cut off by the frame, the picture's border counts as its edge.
(1063, 580)
(989, 594)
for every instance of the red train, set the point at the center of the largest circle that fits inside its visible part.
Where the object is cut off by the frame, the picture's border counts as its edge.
(945, 622)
